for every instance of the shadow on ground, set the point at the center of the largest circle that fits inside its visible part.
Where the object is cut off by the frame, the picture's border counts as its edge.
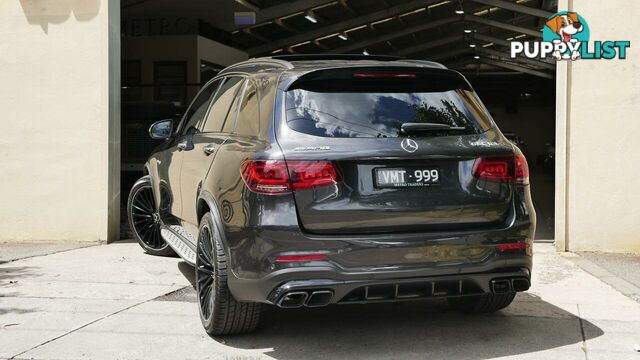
(10, 277)
(415, 329)
(422, 329)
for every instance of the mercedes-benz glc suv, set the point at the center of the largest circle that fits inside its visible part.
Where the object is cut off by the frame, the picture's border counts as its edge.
(314, 180)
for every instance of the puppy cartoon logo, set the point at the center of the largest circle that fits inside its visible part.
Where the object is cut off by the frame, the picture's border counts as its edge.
(565, 36)
(566, 27)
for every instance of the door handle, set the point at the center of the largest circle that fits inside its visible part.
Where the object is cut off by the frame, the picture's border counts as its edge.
(182, 145)
(209, 149)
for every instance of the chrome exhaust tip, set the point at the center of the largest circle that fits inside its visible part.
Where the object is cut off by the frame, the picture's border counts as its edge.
(520, 284)
(501, 286)
(319, 298)
(294, 299)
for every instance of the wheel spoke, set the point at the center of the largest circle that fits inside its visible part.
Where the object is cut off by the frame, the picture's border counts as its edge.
(150, 200)
(142, 218)
(205, 281)
(205, 270)
(142, 210)
(143, 201)
(206, 261)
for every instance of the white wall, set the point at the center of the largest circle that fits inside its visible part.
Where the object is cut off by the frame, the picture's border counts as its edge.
(56, 143)
(599, 120)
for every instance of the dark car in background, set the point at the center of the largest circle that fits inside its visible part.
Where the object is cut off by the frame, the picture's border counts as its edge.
(314, 180)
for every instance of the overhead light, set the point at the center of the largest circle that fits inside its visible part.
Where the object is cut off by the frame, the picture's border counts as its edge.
(472, 45)
(309, 16)
(460, 11)
(277, 51)
(487, 45)
(438, 4)
(300, 44)
(365, 52)
(382, 21)
(343, 37)
(476, 57)
(468, 31)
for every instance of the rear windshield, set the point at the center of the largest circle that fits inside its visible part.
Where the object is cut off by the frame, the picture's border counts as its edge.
(378, 108)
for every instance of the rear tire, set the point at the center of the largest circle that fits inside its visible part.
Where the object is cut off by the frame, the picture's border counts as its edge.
(220, 312)
(486, 303)
(144, 219)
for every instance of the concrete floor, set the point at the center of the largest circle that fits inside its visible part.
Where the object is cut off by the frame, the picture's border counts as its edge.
(12, 251)
(114, 302)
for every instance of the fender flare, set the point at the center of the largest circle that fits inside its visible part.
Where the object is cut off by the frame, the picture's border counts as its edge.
(217, 218)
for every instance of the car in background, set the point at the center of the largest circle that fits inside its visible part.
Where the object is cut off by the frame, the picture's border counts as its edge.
(517, 141)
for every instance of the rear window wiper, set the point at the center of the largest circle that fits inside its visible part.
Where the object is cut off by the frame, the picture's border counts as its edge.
(420, 127)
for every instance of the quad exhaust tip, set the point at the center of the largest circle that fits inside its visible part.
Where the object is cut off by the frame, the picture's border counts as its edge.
(319, 298)
(503, 286)
(296, 299)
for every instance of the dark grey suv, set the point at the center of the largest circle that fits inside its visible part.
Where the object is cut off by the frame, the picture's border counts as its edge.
(314, 180)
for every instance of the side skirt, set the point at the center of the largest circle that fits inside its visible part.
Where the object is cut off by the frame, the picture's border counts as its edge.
(176, 236)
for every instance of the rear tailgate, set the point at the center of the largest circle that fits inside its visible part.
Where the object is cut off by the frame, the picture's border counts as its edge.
(391, 181)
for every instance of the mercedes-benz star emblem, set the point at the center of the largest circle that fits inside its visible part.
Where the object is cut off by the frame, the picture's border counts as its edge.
(409, 145)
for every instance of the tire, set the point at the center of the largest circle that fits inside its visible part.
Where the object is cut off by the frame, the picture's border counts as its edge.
(144, 220)
(486, 303)
(220, 312)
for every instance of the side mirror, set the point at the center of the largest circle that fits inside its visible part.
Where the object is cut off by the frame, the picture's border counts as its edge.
(161, 130)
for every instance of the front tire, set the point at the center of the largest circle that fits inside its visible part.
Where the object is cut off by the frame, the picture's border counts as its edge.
(486, 303)
(220, 312)
(144, 219)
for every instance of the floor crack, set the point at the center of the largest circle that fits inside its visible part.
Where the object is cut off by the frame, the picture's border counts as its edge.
(80, 327)
(584, 338)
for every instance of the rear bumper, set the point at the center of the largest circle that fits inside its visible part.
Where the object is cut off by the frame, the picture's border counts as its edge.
(315, 293)
(378, 262)
(388, 284)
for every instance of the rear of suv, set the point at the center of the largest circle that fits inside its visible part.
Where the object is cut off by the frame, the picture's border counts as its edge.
(314, 180)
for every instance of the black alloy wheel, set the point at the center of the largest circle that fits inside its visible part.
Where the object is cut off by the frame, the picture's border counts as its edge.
(204, 273)
(145, 221)
(220, 312)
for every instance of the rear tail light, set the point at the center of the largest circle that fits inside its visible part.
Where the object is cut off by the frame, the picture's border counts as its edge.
(279, 177)
(503, 168)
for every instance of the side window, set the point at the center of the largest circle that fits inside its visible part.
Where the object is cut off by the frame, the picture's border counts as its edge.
(221, 104)
(230, 122)
(248, 122)
(198, 108)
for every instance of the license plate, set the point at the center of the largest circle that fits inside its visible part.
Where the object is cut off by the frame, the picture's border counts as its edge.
(406, 177)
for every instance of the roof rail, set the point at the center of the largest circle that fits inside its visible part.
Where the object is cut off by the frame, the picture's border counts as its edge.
(310, 57)
(424, 62)
(261, 60)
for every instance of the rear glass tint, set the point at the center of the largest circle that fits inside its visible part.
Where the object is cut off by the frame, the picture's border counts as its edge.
(346, 107)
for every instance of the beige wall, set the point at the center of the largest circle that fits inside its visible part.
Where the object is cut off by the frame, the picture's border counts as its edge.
(56, 143)
(598, 109)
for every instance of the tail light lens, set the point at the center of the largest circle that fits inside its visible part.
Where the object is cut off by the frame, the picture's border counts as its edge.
(279, 177)
(503, 168)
